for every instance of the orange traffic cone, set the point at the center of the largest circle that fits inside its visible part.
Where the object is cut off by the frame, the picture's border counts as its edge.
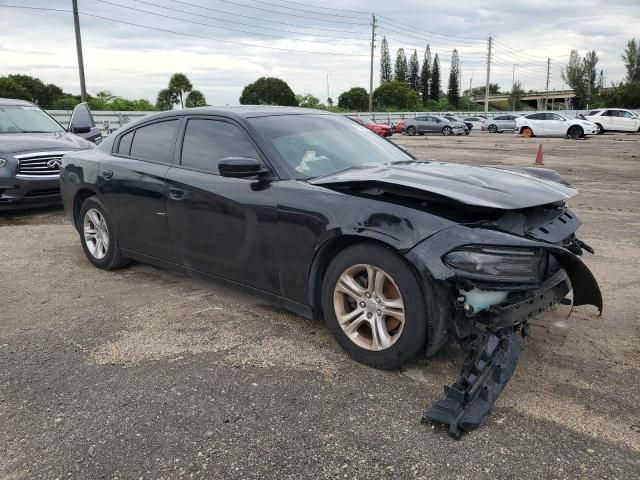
(539, 156)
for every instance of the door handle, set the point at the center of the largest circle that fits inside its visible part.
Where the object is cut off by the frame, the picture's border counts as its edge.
(176, 193)
(106, 174)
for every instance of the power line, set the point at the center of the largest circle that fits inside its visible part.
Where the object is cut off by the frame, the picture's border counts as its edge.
(187, 34)
(212, 26)
(524, 52)
(241, 23)
(262, 2)
(326, 8)
(290, 14)
(391, 21)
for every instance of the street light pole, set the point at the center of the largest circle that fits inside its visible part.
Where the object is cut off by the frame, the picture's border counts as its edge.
(76, 24)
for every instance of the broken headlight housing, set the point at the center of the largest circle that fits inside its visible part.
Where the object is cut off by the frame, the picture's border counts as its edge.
(498, 264)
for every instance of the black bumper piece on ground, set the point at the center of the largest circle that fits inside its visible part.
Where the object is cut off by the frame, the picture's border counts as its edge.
(487, 369)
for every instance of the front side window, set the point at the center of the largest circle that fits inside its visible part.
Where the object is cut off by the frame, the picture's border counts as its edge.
(26, 119)
(537, 116)
(316, 145)
(501, 118)
(155, 142)
(206, 142)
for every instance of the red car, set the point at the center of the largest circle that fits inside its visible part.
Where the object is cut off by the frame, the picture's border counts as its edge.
(380, 128)
(400, 126)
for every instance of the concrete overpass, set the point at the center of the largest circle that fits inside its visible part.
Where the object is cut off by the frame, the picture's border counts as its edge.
(558, 99)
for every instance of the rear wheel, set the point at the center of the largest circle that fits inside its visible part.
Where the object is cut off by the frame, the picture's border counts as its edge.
(447, 131)
(492, 128)
(98, 236)
(527, 132)
(575, 132)
(374, 306)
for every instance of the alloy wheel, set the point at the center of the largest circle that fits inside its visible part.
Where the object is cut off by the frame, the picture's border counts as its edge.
(446, 131)
(369, 307)
(411, 131)
(492, 129)
(96, 233)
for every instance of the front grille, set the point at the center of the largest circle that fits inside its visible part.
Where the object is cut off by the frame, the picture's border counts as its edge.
(43, 164)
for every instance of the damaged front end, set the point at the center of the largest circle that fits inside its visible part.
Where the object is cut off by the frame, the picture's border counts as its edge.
(500, 274)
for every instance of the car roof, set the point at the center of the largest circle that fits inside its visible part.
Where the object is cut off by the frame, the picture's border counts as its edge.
(15, 101)
(247, 111)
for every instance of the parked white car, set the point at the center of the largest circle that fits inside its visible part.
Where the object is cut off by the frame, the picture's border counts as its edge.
(615, 120)
(477, 122)
(554, 124)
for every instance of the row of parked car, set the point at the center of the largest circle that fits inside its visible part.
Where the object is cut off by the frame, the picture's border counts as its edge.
(597, 121)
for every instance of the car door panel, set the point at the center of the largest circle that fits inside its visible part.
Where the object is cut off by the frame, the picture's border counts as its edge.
(133, 191)
(220, 225)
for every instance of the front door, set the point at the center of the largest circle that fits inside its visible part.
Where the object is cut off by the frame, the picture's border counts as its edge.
(131, 181)
(219, 225)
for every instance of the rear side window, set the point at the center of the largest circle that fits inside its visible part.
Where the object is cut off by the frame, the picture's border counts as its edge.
(537, 116)
(155, 142)
(124, 147)
(206, 142)
(502, 118)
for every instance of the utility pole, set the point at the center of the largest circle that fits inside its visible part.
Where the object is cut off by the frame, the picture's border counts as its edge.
(328, 93)
(546, 94)
(76, 23)
(513, 86)
(373, 41)
(486, 90)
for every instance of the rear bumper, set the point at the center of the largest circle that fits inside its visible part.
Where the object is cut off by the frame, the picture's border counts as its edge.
(17, 193)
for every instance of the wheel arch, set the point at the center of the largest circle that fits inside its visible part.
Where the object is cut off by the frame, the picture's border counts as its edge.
(325, 254)
(79, 198)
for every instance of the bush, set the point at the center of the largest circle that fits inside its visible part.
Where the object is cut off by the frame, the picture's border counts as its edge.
(396, 95)
(268, 91)
(355, 99)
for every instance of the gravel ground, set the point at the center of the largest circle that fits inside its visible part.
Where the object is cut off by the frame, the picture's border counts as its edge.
(141, 373)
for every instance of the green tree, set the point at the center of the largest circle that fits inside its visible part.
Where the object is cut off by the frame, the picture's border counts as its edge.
(434, 86)
(478, 92)
(386, 74)
(453, 89)
(308, 101)
(581, 74)
(624, 95)
(38, 92)
(517, 92)
(414, 71)
(166, 99)
(9, 88)
(355, 99)
(396, 95)
(631, 59)
(400, 71)
(180, 85)
(268, 91)
(425, 75)
(195, 98)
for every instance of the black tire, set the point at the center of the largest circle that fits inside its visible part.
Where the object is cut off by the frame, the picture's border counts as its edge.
(411, 131)
(575, 132)
(600, 129)
(412, 339)
(492, 128)
(113, 258)
(447, 131)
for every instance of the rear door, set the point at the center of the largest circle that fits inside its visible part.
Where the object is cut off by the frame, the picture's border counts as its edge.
(627, 121)
(131, 181)
(220, 225)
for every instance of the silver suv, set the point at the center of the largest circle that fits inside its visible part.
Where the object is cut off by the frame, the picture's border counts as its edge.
(500, 123)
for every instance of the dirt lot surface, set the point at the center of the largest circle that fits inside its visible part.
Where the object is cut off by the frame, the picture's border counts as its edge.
(140, 373)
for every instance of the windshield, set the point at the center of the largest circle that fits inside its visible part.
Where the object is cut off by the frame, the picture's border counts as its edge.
(317, 145)
(26, 119)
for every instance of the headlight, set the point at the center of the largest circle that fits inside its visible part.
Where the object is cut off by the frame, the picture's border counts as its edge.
(3, 162)
(499, 264)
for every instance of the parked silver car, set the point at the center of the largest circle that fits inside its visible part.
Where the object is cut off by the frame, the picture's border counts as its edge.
(500, 123)
(434, 124)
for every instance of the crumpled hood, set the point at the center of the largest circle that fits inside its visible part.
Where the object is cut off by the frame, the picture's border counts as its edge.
(482, 186)
(29, 142)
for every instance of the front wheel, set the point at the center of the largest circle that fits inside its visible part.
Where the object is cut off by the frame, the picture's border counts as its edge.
(492, 129)
(575, 132)
(98, 236)
(411, 131)
(447, 131)
(600, 129)
(374, 306)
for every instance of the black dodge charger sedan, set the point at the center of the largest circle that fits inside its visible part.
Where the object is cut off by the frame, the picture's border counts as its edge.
(329, 220)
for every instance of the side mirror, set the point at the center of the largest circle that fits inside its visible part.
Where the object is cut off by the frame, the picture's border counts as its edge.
(81, 119)
(240, 167)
